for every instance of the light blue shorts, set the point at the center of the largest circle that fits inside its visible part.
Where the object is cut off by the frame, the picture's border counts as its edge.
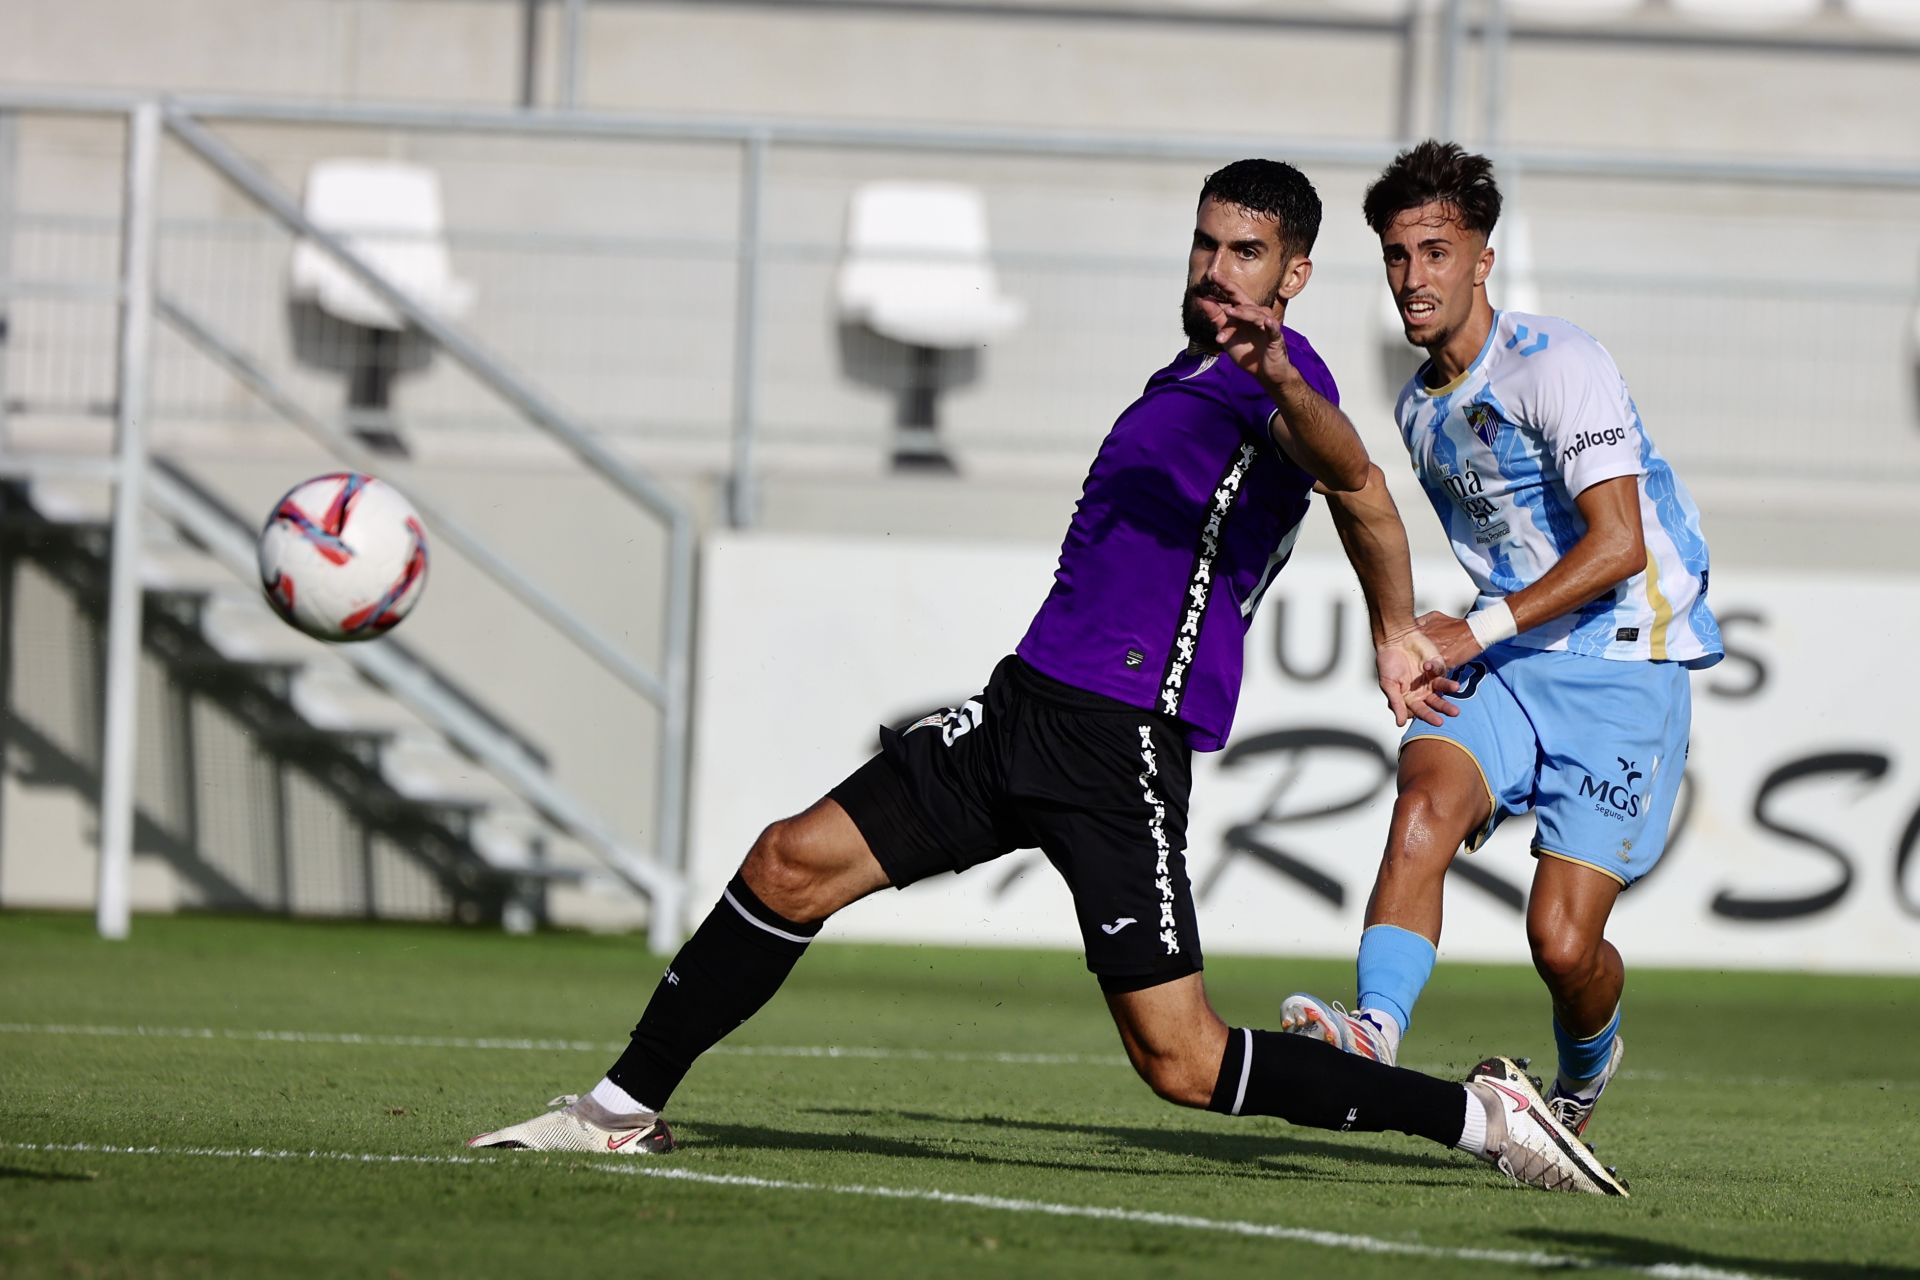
(1595, 748)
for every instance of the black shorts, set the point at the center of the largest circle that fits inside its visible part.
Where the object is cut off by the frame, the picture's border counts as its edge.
(1098, 786)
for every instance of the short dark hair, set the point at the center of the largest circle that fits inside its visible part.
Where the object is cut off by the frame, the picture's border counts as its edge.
(1435, 173)
(1272, 190)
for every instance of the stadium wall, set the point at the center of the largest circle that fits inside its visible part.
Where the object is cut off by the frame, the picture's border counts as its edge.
(1795, 844)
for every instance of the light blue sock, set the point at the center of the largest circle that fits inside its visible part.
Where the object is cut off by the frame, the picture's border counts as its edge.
(1393, 968)
(1585, 1059)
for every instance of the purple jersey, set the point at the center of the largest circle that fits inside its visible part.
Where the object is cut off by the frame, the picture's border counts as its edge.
(1188, 512)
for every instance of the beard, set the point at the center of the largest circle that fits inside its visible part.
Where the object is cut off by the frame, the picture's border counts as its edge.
(1194, 322)
(1438, 331)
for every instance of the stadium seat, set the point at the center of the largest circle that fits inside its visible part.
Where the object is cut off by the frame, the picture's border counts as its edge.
(1894, 15)
(390, 214)
(916, 268)
(1748, 13)
(916, 272)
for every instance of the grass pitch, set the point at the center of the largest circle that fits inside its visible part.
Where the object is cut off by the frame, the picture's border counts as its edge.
(252, 1097)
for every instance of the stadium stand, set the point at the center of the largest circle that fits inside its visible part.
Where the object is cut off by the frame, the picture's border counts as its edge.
(682, 299)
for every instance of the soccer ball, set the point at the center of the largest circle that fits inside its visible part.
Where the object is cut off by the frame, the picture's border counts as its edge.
(343, 557)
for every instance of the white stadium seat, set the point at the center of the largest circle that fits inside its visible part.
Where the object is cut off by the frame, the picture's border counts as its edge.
(916, 268)
(389, 213)
(1748, 13)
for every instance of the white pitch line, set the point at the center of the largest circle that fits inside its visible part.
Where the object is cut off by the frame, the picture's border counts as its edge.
(548, 1046)
(997, 1204)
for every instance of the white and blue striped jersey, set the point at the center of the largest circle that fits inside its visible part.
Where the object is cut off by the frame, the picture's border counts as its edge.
(1541, 414)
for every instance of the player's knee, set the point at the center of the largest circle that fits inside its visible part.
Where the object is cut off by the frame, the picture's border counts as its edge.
(1564, 959)
(786, 873)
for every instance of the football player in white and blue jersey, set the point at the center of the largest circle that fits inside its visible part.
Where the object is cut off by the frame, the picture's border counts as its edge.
(1572, 666)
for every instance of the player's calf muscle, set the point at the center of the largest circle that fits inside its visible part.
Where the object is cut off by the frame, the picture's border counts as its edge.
(1185, 1077)
(1173, 1038)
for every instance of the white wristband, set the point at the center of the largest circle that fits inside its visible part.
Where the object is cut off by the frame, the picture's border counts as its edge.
(1492, 624)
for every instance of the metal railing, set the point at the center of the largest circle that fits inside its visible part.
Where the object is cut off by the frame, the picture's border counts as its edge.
(758, 258)
(657, 877)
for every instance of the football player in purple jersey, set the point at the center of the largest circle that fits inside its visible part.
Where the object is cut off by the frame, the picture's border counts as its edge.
(1081, 742)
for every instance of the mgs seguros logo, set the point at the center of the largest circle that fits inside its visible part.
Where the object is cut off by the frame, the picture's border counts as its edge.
(1615, 799)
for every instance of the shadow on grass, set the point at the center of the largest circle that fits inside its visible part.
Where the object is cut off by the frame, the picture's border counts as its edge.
(1211, 1155)
(1244, 1148)
(1673, 1256)
(42, 1175)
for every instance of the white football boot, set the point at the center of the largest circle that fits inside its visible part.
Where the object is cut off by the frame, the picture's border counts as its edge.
(1526, 1143)
(1328, 1020)
(1573, 1104)
(581, 1124)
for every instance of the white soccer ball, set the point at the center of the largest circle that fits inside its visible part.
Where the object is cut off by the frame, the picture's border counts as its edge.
(343, 557)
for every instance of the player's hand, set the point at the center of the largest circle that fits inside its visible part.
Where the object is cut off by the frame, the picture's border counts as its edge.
(1451, 636)
(1249, 334)
(1413, 676)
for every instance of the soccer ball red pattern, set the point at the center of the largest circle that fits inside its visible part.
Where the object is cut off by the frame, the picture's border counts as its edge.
(343, 557)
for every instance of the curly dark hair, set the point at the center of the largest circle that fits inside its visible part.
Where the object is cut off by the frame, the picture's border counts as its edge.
(1274, 190)
(1435, 172)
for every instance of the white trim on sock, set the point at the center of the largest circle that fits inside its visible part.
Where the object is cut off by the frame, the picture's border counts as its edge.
(618, 1100)
(1473, 1136)
(801, 938)
(1246, 1069)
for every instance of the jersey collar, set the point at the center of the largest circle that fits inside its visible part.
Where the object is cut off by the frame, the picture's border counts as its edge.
(1420, 375)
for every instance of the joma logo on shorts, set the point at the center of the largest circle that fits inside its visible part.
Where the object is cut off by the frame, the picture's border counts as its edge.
(1618, 796)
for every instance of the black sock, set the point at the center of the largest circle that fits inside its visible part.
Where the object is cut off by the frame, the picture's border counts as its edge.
(732, 965)
(1309, 1082)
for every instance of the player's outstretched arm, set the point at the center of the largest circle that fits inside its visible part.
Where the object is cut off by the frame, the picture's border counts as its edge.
(1310, 428)
(1612, 550)
(1412, 675)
